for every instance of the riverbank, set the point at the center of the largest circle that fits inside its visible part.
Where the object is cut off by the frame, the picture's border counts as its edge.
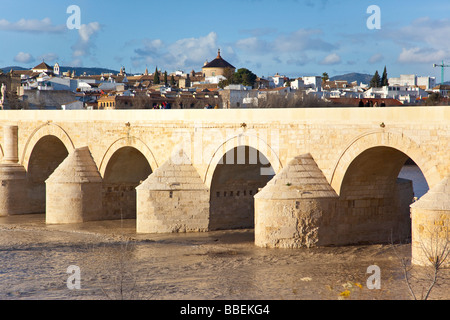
(117, 263)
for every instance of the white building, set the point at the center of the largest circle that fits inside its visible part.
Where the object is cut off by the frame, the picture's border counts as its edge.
(413, 80)
(297, 84)
(43, 67)
(427, 82)
(276, 81)
(405, 94)
(73, 105)
(239, 96)
(313, 82)
(215, 79)
(56, 70)
(442, 89)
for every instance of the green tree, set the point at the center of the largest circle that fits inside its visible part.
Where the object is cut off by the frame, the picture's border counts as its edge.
(228, 74)
(325, 77)
(376, 80)
(434, 99)
(245, 77)
(384, 78)
(242, 76)
(287, 83)
(172, 81)
(165, 78)
(156, 79)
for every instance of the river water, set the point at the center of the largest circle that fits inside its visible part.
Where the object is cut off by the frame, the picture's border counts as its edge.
(413, 173)
(116, 263)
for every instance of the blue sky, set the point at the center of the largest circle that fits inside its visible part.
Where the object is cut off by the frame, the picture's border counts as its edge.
(291, 37)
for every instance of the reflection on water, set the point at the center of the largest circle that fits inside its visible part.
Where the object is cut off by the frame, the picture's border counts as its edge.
(412, 172)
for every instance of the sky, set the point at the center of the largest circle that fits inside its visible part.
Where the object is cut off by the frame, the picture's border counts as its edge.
(290, 37)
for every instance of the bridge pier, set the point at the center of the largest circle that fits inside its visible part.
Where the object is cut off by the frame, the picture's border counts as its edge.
(74, 190)
(13, 177)
(431, 225)
(173, 199)
(296, 208)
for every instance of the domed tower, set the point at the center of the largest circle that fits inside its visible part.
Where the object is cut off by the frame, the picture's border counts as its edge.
(217, 67)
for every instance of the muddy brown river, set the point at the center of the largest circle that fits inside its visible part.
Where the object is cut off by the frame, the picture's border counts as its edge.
(114, 262)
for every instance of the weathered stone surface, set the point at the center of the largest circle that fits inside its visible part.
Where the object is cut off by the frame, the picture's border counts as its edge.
(74, 190)
(173, 199)
(300, 179)
(13, 199)
(431, 225)
(437, 198)
(296, 207)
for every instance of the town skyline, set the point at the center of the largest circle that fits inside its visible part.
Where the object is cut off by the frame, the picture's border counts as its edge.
(293, 38)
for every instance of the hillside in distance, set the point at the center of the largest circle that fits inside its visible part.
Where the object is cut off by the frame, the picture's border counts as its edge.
(350, 77)
(78, 70)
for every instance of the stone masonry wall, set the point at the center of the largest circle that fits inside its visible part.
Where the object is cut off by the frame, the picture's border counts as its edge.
(333, 136)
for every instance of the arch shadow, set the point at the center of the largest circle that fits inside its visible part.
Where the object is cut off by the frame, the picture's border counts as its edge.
(382, 138)
(47, 154)
(241, 140)
(134, 142)
(125, 167)
(48, 129)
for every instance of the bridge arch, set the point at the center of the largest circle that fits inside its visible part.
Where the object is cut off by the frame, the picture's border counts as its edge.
(133, 142)
(237, 170)
(382, 138)
(48, 129)
(45, 156)
(241, 140)
(373, 205)
(127, 162)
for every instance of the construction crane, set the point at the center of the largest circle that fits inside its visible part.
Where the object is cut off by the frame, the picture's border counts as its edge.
(442, 69)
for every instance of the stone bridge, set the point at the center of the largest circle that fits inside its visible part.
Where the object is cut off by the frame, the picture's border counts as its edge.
(299, 177)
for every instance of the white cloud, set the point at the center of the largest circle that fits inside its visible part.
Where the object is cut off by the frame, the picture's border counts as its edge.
(33, 26)
(421, 55)
(23, 57)
(49, 57)
(82, 49)
(423, 41)
(302, 40)
(88, 30)
(426, 30)
(194, 50)
(294, 49)
(377, 57)
(253, 44)
(183, 53)
(332, 58)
